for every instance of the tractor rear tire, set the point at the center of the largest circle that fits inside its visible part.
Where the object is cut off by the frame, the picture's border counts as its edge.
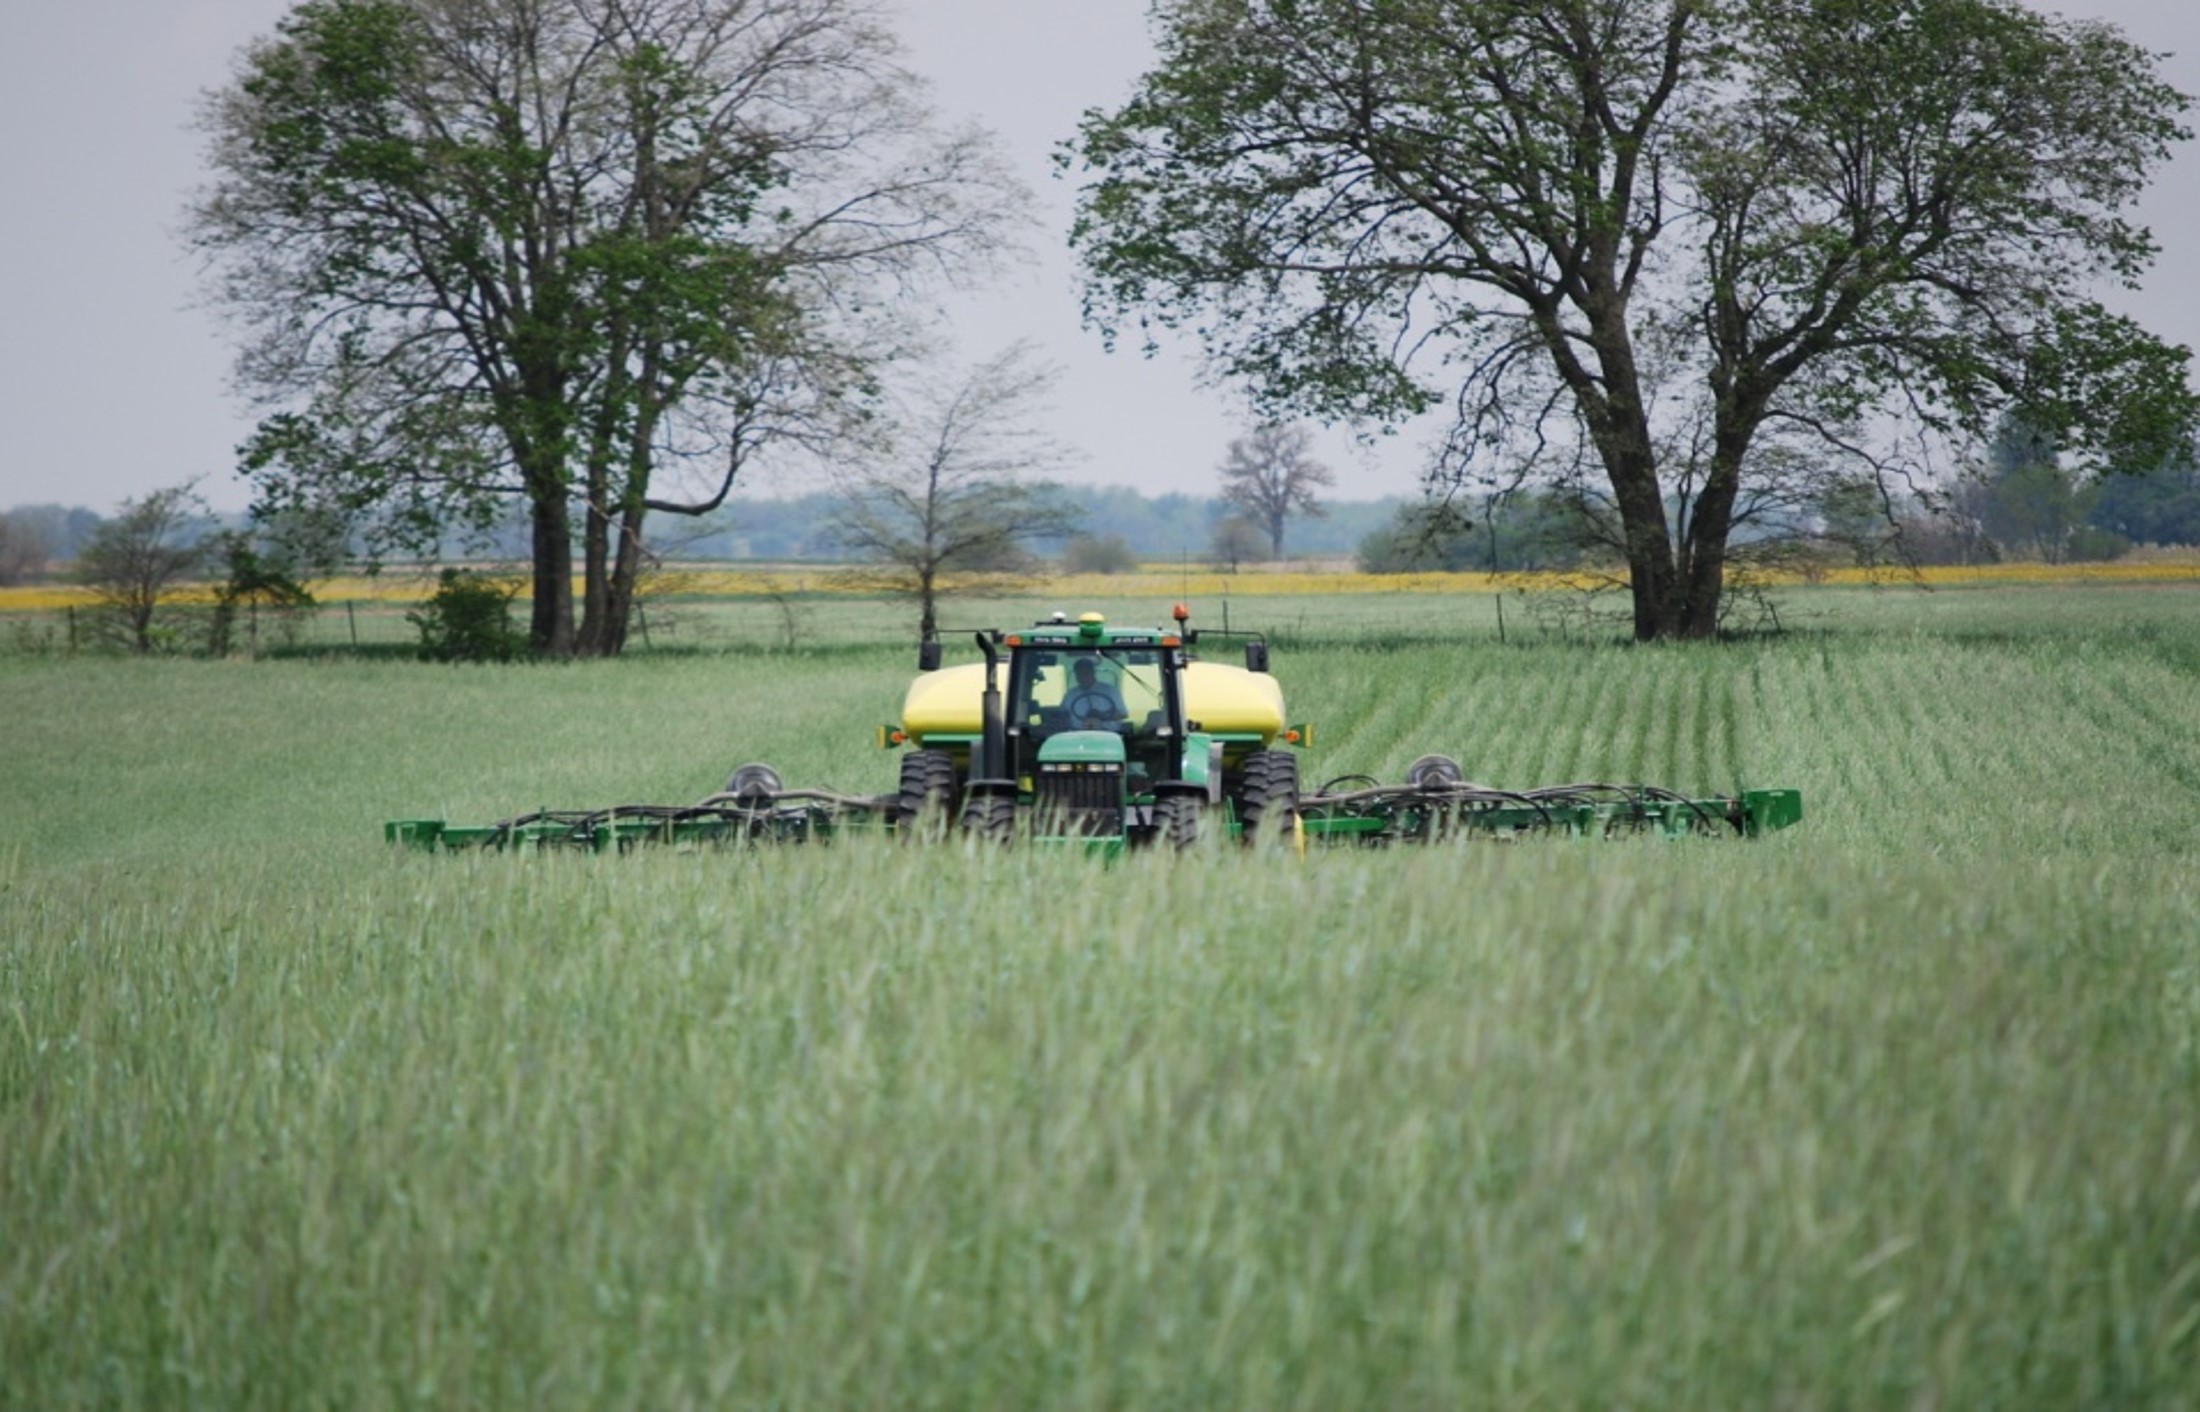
(1177, 821)
(927, 798)
(1268, 800)
(989, 818)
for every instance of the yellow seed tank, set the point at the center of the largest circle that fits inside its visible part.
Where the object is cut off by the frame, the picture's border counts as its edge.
(1218, 698)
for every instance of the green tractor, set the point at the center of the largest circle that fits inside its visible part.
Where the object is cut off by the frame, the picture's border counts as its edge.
(1108, 737)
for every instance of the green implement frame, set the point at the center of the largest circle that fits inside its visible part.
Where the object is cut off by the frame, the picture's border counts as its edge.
(754, 816)
(1431, 813)
(1377, 815)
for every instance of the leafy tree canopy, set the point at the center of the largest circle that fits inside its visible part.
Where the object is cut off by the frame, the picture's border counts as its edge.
(592, 257)
(955, 486)
(1679, 247)
(1269, 475)
(133, 563)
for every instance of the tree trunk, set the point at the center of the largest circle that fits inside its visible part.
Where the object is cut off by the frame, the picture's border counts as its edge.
(626, 577)
(535, 427)
(550, 633)
(603, 623)
(1619, 426)
(1741, 410)
(1652, 576)
(595, 568)
(1631, 465)
(1708, 530)
(1704, 585)
(610, 584)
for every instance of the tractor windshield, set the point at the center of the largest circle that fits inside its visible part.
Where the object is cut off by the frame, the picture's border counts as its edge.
(1109, 689)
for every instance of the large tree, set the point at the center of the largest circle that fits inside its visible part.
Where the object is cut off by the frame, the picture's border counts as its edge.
(1268, 474)
(2159, 506)
(25, 548)
(590, 255)
(2028, 502)
(134, 564)
(1662, 238)
(954, 486)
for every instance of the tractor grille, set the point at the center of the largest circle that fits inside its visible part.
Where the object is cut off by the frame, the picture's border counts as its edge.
(1084, 800)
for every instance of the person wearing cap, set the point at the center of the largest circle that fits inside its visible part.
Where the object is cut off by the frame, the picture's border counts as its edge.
(1093, 703)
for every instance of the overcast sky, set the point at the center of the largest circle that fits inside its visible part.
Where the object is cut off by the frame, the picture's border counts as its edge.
(112, 383)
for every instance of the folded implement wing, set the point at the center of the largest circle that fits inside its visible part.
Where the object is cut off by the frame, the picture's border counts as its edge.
(1342, 812)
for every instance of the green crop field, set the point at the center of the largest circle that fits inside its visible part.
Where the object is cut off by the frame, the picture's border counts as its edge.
(1899, 1108)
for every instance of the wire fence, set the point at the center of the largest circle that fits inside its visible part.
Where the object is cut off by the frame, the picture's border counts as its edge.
(790, 622)
(750, 611)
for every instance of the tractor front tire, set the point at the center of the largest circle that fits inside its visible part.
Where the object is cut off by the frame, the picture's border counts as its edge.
(927, 798)
(1268, 800)
(989, 818)
(1177, 821)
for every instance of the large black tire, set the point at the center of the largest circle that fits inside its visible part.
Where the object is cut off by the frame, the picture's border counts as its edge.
(989, 818)
(1177, 821)
(927, 798)
(1268, 799)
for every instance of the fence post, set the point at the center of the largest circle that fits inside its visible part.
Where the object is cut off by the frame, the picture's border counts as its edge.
(72, 628)
(351, 614)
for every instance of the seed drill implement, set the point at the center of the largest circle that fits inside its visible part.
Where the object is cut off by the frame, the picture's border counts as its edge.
(1083, 734)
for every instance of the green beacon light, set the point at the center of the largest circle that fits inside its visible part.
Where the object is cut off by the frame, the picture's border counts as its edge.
(1090, 625)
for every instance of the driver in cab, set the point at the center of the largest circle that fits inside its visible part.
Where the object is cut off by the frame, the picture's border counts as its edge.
(1093, 703)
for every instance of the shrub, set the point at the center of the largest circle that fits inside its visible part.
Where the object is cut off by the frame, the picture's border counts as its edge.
(254, 580)
(2090, 544)
(1098, 554)
(468, 619)
(1422, 537)
(1237, 540)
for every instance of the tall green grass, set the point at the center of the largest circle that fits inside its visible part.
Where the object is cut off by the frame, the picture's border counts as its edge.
(1900, 1108)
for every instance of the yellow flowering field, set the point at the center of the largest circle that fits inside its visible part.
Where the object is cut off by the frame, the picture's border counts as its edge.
(1156, 580)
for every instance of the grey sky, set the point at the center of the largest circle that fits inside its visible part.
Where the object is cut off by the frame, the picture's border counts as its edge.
(111, 384)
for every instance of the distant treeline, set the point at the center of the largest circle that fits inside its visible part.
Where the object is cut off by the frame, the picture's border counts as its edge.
(2021, 508)
(51, 532)
(795, 528)
(1155, 527)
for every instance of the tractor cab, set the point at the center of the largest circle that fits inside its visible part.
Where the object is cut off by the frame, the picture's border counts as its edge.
(1072, 679)
(1092, 723)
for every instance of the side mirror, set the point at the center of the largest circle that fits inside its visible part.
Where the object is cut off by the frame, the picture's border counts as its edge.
(928, 655)
(1256, 656)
